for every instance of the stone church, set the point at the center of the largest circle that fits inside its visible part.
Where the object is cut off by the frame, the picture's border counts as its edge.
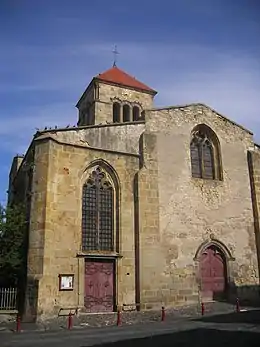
(138, 206)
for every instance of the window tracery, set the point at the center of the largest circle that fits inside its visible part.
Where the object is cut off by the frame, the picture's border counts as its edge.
(98, 212)
(205, 154)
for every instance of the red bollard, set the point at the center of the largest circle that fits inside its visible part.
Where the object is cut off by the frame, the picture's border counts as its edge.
(163, 314)
(70, 321)
(119, 318)
(237, 305)
(202, 309)
(18, 324)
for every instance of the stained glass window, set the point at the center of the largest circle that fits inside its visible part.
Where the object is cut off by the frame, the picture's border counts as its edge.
(202, 157)
(97, 212)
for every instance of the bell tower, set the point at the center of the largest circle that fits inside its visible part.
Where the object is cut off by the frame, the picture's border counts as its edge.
(114, 97)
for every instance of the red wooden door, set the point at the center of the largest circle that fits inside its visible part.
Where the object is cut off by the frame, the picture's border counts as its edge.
(99, 286)
(212, 272)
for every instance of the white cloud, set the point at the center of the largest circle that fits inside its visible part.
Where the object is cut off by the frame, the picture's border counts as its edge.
(229, 90)
(17, 132)
(228, 81)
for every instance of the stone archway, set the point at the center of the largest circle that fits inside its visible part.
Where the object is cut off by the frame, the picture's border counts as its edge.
(212, 273)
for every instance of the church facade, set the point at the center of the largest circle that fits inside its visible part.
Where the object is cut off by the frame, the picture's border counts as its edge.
(138, 206)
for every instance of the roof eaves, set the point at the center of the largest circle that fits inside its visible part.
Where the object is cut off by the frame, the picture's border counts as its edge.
(144, 90)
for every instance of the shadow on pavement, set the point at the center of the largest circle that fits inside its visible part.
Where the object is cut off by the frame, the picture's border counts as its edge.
(194, 338)
(247, 317)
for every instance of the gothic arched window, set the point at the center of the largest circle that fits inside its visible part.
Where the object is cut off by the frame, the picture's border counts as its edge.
(136, 113)
(98, 213)
(205, 154)
(116, 112)
(126, 113)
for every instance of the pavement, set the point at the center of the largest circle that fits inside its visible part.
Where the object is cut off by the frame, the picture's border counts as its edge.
(213, 329)
(109, 319)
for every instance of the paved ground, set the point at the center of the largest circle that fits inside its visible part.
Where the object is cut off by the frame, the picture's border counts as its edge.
(242, 328)
(128, 318)
(236, 329)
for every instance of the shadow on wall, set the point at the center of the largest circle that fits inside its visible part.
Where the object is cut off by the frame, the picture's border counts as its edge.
(195, 338)
(248, 295)
(31, 301)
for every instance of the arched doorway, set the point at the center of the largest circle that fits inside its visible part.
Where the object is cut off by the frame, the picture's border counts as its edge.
(213, 273)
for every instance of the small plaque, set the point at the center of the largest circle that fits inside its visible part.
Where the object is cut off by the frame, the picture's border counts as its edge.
(66, 282)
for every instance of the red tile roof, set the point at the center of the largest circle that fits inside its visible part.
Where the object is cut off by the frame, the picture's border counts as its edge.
(117, 76)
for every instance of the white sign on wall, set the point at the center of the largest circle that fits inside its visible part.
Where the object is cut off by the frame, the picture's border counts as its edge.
(66, 282)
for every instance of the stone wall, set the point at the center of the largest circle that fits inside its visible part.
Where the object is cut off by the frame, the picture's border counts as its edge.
(67, 172)
(254, 171)
(165, 215)
(194, 211)
(151, 263)
(114, 137)
(109, 93)
(17, 160)
(37, 226)
(86, 105)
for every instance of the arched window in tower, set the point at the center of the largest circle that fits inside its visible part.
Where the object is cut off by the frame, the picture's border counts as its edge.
(136, 113)
(98, 213)
(205, 154)
(116, 112)
(126, 113)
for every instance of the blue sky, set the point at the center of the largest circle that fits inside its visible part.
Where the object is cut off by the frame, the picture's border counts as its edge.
(188, 50)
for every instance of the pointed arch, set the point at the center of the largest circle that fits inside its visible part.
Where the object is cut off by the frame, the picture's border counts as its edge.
(214, 242)
(100, 208)
(108, 168)
(213, 269)
(205, 153)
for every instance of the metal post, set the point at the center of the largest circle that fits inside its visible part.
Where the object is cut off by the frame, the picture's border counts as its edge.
(18, 324)
(70, 321)
(237, 305)
(202, 309)
(119, 318)
(163, 314)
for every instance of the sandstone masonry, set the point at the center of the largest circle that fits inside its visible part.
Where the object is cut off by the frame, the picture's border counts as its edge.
(164, 219)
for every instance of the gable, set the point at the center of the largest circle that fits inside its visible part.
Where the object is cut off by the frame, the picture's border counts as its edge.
(225, 118)
(196, 108)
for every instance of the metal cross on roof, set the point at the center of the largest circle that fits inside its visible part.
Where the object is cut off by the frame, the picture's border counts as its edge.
(115, 51)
